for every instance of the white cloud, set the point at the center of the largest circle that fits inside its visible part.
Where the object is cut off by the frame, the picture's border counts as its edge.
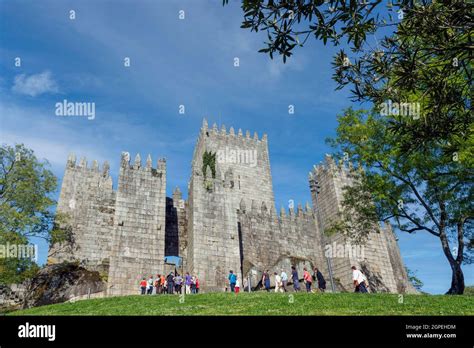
(35, 84)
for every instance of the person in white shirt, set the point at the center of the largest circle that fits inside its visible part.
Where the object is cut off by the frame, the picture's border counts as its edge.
(359, 280)
(278, 284)
(284, 280)
(150, 286)
(237, 285)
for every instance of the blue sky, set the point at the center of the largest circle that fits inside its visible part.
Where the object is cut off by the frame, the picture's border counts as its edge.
(174, 62)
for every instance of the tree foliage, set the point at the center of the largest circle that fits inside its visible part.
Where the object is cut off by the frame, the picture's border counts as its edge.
(26, 188)
(420, 191)
(415, 281)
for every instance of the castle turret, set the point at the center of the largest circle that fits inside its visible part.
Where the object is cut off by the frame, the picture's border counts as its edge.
(242, 171)
(86, 205)
(138, 246)
(327, 182)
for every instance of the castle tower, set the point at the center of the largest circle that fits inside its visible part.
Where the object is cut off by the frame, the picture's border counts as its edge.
(376, 258)
(85, 212)
(226, 168)
(138, 243)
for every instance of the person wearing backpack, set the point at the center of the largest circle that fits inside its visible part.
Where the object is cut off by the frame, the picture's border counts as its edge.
(232, 280)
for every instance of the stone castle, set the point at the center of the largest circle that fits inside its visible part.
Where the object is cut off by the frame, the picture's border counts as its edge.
(229, 221)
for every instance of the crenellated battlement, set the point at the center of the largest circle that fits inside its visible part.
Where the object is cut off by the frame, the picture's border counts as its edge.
(261, 210)
(138, 165)
(83, 165)
(215, 132)
(332, 168)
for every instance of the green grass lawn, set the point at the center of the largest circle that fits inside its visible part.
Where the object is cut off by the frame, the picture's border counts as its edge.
(264, 304)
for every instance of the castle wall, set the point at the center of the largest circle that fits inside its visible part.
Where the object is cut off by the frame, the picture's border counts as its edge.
(375, 262)
(271, 242)
(87, 200)
(403, 284)
(138, 245)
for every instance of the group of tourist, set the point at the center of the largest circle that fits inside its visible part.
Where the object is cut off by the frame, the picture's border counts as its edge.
(170, 284)
(189, 284)
(281, 280)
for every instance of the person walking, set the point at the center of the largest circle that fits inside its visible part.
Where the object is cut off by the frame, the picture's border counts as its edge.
(197, 285)
(308, 280)
(237, 284)
(359, 280)
(158, 284)
(187, 283)
(266, 280)
(295, 278)
(170, 282)
(278, 283)
(193, 285)
(163, 284)
(319, 277)
(178, 281)
(150, 286)
(143, 285)
(284, 280)
(232, 279)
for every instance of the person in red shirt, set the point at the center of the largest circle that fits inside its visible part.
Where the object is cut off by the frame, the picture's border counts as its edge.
(197, 285)
(143, 285)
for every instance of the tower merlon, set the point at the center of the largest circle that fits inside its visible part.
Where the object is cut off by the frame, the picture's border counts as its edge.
(105, 169)
(95, 166)
(71, 160)
(138, 161)
(83, 163)
(161, 164)
(149, 162)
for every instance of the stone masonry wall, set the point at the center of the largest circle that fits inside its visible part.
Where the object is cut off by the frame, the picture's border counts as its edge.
(272, 242)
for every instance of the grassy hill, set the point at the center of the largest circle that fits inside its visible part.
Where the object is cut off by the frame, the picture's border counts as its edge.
(264, 304)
